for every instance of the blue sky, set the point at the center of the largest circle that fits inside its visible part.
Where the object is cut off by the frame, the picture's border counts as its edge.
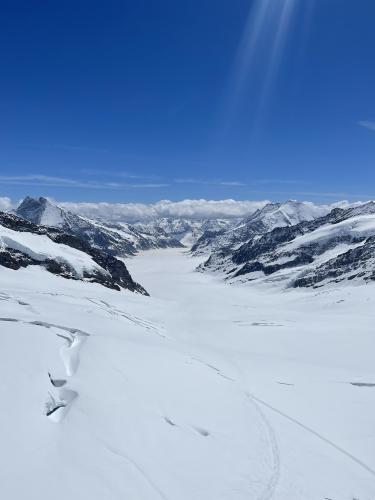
(140, 101)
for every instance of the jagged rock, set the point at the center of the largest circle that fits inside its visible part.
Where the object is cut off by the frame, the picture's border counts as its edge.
(14, 259)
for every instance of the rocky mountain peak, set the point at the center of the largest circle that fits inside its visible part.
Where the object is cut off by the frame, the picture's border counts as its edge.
(32, 209)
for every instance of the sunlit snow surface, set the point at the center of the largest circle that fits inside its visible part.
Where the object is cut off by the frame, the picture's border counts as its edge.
(203, 391)
(40, 247)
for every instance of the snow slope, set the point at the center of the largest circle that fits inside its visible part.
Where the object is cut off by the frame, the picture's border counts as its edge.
(40, 247)
(361, 226)
(200, 392)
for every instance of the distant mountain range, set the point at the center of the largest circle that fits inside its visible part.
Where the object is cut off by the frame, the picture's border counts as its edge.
(186, 231)
(120, 239)
(261, 221)
(296, 244)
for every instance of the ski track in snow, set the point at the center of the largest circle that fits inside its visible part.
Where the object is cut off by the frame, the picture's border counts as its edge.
(257, 402)
(338, 448)
(6, 297)
(139, 469)
(269, 491)
(113, 311)
(272, 482)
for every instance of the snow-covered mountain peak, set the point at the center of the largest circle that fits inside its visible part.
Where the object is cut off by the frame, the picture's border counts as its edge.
(288, 213)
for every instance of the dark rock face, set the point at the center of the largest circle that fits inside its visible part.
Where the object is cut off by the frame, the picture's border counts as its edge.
(265, 244)
(115, 275)
(11, 221)
(270, 269)
(60, 268)
(14, 259)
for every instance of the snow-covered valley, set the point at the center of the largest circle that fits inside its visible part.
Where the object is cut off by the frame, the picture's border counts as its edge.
(187, 250)
(203, 391)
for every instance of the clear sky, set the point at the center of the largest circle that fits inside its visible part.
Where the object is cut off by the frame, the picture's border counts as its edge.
(145, 100)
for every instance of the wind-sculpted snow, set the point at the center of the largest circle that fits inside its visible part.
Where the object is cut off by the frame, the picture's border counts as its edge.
(201, 391)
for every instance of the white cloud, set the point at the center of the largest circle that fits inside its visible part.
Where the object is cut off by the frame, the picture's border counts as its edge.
(367, 124)
(165, 208)
(46, 180)
(5, 204)
(212, 182)
(123, 175)
(133, 181)
(231, 183)
(194, 209)
(279, 181)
